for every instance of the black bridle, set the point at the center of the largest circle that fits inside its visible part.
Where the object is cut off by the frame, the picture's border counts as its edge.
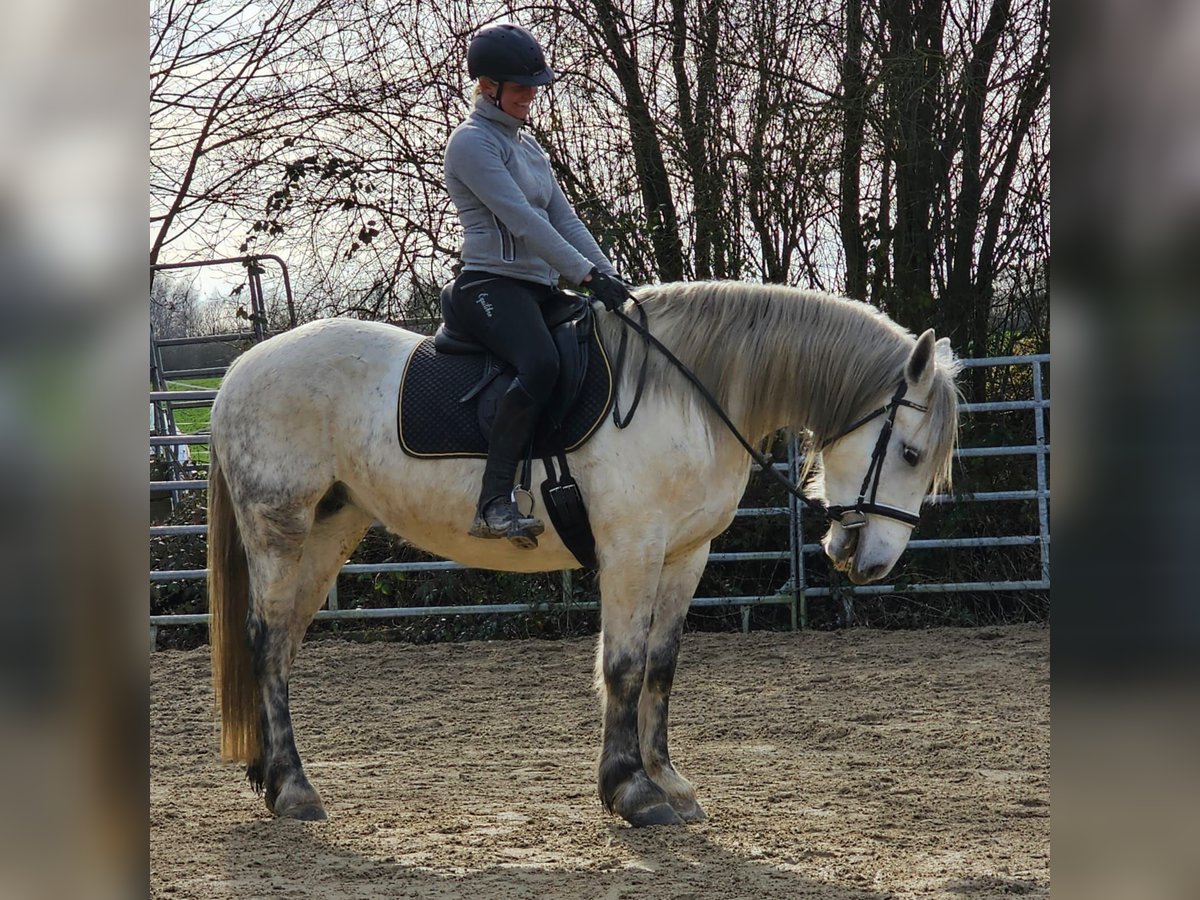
(837, 514)
(871, 481)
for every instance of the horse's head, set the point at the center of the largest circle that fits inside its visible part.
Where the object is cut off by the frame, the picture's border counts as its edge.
(879, 470)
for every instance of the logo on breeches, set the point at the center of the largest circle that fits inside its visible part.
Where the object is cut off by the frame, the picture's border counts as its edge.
(482, 301)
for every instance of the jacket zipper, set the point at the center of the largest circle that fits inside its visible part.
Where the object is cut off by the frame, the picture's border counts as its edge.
(507, 249)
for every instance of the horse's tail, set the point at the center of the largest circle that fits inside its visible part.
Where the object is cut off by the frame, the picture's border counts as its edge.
(234, 681)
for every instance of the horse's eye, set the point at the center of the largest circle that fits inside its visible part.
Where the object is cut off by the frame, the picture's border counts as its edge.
(912, 455)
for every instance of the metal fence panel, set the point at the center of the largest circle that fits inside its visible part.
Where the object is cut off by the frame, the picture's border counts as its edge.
(794, 592)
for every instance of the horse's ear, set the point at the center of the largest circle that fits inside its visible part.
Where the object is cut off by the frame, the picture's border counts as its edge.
(920, 366)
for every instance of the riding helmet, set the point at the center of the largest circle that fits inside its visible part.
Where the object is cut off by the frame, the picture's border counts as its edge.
(508, 53)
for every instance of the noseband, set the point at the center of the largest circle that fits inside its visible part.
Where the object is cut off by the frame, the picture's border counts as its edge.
(863, 505)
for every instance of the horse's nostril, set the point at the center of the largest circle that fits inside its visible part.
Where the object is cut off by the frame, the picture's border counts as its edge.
(850, 547)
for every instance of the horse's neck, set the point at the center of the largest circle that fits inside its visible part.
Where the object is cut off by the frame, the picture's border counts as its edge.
(763, 372)
(778, 374)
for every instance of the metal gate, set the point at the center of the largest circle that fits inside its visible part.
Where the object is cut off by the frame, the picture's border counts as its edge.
(796, 590)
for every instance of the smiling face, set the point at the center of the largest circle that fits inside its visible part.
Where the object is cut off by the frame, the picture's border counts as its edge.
(515, 99)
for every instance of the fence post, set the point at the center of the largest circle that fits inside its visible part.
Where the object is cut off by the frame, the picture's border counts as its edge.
(796, 540)
(1039, 430)
(568, 581)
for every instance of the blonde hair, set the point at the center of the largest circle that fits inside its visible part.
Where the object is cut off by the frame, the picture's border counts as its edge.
(477, 91)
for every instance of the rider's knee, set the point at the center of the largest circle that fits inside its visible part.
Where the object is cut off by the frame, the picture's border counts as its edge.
(539, 375)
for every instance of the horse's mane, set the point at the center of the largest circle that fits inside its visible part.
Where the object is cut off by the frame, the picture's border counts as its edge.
(777, 356)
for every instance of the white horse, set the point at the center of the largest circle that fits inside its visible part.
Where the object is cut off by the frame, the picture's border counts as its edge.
(306, 456)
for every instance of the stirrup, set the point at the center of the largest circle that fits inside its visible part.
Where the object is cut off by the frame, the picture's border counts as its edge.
(500, 518)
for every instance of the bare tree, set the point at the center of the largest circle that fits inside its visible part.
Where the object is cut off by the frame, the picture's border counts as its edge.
(943, 167)
(173, 307)
(895, 150)
(854, 100)
(229, 82)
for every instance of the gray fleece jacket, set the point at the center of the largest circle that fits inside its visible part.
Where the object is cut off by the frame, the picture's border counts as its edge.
(515, 219)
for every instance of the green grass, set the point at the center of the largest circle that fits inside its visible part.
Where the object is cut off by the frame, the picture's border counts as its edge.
(192, 421)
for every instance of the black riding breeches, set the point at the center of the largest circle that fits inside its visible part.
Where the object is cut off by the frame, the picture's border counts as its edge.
(505, 315)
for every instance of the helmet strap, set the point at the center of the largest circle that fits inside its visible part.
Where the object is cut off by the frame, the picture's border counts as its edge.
(499, 92)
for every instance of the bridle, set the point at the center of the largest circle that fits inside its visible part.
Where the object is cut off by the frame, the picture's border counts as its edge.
(849, 517)
(863, 505)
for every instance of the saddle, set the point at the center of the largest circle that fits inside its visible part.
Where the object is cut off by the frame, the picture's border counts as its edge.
(452, 385)
(571, 324)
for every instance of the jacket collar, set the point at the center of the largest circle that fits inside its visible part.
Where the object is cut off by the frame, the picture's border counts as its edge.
(486, 109)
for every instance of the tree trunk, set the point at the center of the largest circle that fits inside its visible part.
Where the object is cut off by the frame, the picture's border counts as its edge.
(915, 39)
(647, 154)
(853, 116)
(968, 300)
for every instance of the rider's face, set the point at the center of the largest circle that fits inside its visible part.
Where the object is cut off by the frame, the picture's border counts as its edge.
(515, 99)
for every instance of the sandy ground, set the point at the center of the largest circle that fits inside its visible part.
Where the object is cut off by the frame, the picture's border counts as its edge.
(832, 765)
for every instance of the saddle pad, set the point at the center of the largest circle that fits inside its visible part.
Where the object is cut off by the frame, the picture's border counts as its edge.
(434, 424)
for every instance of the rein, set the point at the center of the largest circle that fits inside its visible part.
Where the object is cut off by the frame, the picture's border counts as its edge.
(829, 513)
(644, 329)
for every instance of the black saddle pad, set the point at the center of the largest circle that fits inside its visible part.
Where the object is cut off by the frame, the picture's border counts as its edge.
(433, 423)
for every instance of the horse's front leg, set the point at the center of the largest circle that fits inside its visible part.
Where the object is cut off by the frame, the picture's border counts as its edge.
(627, 591)
(676, 587)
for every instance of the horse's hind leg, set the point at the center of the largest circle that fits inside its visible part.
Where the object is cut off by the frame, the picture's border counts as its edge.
(627, 593)
(675, 589)
(290, 573)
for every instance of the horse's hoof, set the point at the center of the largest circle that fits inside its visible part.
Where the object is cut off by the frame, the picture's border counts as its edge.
(690, 811)
(658, 814)
(308, 812)
(299, 801)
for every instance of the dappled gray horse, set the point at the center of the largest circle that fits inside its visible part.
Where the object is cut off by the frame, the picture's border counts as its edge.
(305, 457)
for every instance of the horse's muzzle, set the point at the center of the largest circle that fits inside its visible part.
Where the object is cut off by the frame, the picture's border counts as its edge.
(840, 545)
(866, 575)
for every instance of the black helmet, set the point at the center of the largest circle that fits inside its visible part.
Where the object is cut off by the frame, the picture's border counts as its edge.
(508, 53)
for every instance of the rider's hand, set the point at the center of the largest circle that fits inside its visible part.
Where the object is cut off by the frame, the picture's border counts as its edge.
(609, 290)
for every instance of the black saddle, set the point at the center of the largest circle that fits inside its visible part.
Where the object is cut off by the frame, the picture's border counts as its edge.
(452, 385)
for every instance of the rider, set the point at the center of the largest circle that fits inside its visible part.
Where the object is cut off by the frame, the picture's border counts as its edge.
(519, 235)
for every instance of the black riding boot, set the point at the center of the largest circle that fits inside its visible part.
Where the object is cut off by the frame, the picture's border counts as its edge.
(497, 515)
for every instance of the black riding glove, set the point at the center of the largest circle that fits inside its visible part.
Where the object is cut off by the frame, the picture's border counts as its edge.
(609, 290)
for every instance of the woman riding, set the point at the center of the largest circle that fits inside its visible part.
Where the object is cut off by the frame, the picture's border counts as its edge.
(519, 235)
